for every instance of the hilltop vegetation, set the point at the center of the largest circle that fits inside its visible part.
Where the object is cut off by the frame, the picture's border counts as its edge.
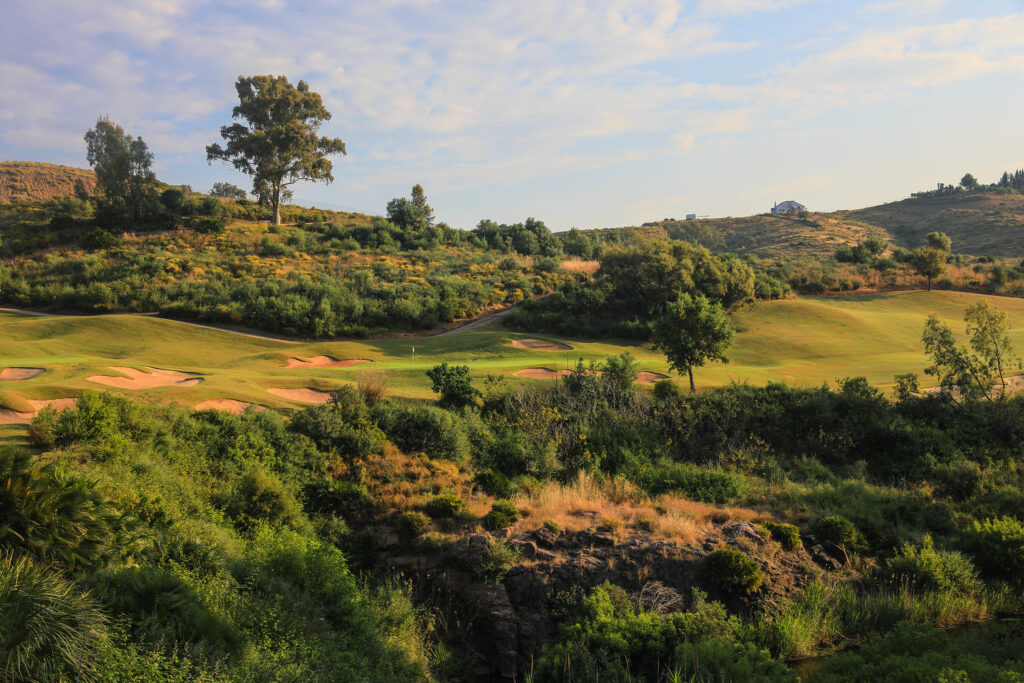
(33, 181)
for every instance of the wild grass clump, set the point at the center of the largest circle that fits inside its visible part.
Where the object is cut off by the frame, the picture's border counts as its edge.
(445, 506)
(927, 569)
(786, 535)
(495, 560)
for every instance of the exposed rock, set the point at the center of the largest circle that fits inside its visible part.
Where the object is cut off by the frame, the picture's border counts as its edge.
(746, 530)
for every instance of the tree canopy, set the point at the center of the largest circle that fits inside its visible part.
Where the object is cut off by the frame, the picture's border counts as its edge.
(123, 167)
(693, 331)
(279, 143)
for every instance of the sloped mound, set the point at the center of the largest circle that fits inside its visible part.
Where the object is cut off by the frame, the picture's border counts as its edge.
(227, 405)
(16, 374)
(136, 379)
(303, 395)
(8, 416)
(539, 345)
(541, 373)
(323, 362)
(647, 376)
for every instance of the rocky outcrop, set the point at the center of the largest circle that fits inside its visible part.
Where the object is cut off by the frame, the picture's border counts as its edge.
(505, 623)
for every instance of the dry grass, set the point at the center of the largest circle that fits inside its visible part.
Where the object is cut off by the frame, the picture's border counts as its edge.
(616, 504)
(578, 265)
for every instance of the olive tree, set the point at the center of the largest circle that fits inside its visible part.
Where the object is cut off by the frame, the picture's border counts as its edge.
(276, 137)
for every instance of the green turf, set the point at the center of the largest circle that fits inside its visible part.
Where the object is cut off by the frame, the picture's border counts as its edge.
(804, 341)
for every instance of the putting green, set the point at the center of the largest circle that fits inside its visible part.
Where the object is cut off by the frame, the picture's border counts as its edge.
(803, 341)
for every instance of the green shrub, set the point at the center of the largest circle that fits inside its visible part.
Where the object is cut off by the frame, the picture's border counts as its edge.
(711, 661)
(48, 631)
(426, 429)
(495, 560)
(834, 528)
(445, 506)
(733, 572)
(502, 514)
(695, 483)
(159, 602)
(411, 524)
(259, 496)
(494, 483)
(99, 239)
(997, 546)
(208, 225)
(342, 498)
(786, 535)
(934, 570)
(342, 426)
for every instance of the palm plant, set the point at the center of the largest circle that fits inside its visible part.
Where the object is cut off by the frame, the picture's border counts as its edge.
(47, 629)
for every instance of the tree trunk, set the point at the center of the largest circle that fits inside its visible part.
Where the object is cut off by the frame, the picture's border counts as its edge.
(929, 284)
(693, 389)
(277, 205)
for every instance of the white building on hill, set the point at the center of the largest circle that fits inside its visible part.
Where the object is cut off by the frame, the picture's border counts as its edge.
(788, 207)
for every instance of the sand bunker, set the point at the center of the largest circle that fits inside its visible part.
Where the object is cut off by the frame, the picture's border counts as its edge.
(542, 373)
(15, 374)
(227, 405)
(137, 379)
(323, 362)
(8, 416)
(303, 395)
(545, 373)
(540, 345)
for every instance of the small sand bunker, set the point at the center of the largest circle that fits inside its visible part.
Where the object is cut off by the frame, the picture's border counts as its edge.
(8, 416)
(136, 379)
(15, 374)
(646, 376)
(323, 362)
(540, 345)
(303, 395)
(545, 373)
(542, 373)
(227, 405)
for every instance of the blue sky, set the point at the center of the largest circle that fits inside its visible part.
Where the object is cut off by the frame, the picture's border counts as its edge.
(589, 114)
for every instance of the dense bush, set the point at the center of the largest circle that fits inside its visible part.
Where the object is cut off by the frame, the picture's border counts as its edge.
(786, 535)
(495, 560)
(997, 546)
(343, 426)
(258, 496)
(411, 524)
(99, 239)
(929, 569)
(501, 515)
(834, 528)
(436, 432)
(445, 506)
(341, 498)
(690, 481)
(494, 483)
(208, 225)
(733, 572)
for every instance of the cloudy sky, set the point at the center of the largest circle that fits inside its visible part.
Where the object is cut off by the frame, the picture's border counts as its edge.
(587, 114)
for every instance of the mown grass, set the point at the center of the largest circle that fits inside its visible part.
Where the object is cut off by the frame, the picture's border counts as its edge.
(804, 341)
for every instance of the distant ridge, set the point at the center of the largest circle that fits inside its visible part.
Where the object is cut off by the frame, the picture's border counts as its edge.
(982, 223)
(33, 181)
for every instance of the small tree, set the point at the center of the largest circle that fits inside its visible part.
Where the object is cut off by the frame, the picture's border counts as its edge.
(962, 372)
(123, 167)
(278, 145)
(693, 331)
(940, 241)
(454, 384)
(928, 262)
(969, 182)
(227, 191)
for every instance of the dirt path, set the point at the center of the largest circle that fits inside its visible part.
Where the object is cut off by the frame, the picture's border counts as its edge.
(473, 324)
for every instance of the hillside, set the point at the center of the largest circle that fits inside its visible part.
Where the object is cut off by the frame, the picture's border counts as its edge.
(34, 181)
(980, 223)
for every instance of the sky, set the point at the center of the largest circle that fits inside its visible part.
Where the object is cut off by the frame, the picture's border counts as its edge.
(588, 114)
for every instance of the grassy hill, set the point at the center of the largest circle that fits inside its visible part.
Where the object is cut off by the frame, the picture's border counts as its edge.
(33, 181)
(980, 223)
